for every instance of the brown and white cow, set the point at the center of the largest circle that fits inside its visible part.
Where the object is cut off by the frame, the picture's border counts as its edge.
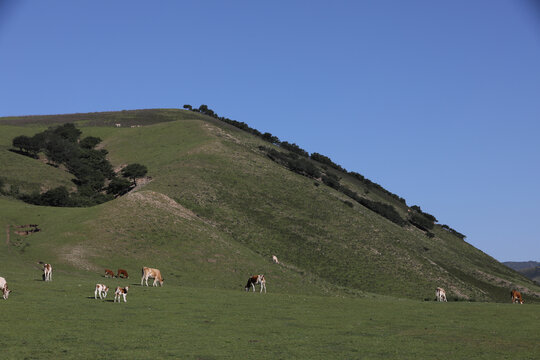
(275, 259)
(254, 280)
(516, 297)
(121, 292)
(101, 290)
(123, 273)
(47, 271)
(109, 273)
(151, 273)
(4, 287)
(440, 294)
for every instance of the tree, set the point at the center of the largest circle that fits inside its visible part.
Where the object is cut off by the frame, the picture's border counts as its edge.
(89, 142)
(21, 142)
(134, 171)
(118, 186)
(68, 131)
(188, 107)
(55, 197)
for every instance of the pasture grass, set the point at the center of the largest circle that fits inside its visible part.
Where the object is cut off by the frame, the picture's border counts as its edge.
(61, 319)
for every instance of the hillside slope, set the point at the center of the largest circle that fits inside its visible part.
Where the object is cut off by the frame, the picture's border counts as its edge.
(216, 208)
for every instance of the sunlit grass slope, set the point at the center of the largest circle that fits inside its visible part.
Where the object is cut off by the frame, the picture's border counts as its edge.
(216, 209)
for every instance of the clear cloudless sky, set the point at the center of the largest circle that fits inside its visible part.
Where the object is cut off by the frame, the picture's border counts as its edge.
(437, 101)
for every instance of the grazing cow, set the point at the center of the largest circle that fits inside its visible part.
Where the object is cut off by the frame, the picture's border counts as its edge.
(516, 297)
(47, 271)
(254, 280)
(274, 259)
(123, 273)
(102, 290)
(109, 273)
(4, 287)
(441, 294)
(151, 273)
(118, 125)
(120, 291)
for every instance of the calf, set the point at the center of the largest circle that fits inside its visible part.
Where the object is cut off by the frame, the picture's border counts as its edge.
(151, 273)
(440, 294)
(516, 297)
(109, 273)
(121, 292)
(102, 290)
(4, 287)
(47, 271)
(254, 280)
(123, 273)
(274, 259)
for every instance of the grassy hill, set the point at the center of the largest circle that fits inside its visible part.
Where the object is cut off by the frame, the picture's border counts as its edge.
(215, 209)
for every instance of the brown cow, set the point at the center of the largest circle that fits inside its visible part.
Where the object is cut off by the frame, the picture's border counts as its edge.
(109, 273)
(516, 297)
(123, 273)
(151, 273)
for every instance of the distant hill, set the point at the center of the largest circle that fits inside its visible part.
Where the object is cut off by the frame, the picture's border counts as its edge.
(530, 269)
(220, 200)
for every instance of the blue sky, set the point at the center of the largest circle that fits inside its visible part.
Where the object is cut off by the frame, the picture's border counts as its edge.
(439, 102)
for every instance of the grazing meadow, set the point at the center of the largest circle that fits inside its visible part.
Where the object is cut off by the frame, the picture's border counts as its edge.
(213, 209)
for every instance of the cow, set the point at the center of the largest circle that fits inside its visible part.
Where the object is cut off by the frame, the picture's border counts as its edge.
(440, 294)
(118, 125)
(47, 271)
(4, 287)
(151, 273)
(121, 292)
(109, 273)
(516, 297)
(275, 259)
(254, 280)
(101, 290)
(123, 273)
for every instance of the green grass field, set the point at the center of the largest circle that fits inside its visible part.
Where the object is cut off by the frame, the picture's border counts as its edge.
(351, 284)
(61, 319)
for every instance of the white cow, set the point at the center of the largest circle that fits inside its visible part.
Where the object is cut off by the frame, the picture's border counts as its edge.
(4, 287)
(47, 271)
(254, 280)
(274, 259)
(151, 273)
(101, 290)
(440, 294)
(121, 292)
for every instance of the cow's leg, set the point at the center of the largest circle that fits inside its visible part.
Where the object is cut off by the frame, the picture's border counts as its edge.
(95, 294)
(142, 279)
(125, 297)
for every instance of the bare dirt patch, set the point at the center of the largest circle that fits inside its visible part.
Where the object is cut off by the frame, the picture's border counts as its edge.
(77, 256)
(162, 202)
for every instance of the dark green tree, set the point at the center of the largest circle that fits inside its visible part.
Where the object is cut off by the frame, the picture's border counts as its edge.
(89, 142)
(134, 171)
(118, 186)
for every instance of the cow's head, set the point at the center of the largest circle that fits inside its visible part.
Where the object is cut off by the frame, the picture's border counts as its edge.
(5, 293)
